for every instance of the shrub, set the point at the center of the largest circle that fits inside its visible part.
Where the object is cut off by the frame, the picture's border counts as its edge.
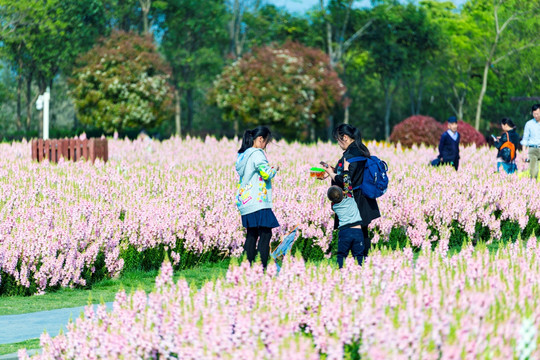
(122, 83)
(292, 87)
(469, 135)
(417, 129)
(420, 129)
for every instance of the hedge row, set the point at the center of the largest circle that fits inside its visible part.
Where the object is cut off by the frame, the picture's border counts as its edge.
(151, 259)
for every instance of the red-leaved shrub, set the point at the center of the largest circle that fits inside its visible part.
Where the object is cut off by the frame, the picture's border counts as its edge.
(420, 129)
(469, 135)
(417, 129)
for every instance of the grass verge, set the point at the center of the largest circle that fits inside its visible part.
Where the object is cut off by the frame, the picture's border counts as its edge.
(13, 348)
(105, 289)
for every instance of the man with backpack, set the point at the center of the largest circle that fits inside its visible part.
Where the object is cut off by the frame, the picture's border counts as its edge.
(367, 176)
(507, 144)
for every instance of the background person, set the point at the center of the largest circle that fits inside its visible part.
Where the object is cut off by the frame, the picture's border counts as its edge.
(254, 193)
(531, 141)
(510, 134)
(449, 144)
(349, 139)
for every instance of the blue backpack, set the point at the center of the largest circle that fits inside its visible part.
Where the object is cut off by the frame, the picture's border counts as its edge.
(375, 182)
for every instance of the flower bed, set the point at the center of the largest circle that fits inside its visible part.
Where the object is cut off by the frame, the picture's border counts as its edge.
(70, 224)
(473, 305)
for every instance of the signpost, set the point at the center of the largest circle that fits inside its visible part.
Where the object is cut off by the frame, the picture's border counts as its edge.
(42, 103)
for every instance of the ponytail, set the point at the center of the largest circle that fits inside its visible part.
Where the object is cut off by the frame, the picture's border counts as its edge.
(250, 136)
(353, 133)
(509, 122)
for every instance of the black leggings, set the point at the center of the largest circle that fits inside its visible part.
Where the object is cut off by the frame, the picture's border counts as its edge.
(264, 235)
(367, 241)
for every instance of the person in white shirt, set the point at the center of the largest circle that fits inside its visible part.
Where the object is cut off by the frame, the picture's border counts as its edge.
(531, 141)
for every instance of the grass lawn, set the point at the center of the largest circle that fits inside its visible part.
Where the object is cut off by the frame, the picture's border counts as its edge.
(105, 289)
(13, 348)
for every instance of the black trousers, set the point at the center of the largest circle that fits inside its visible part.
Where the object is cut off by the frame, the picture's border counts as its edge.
(367, 242)
(263, 234)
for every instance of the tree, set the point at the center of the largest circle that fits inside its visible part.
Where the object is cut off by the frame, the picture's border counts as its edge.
(122, 83)
(43, 38)
(193, 42)
(508, 28)
(339, 38)
(292, 87)
(236, 26)
(455, 62)
(397, 41)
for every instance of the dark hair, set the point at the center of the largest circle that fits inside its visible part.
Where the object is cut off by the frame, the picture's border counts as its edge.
(251, 135)
(509, 122)
(353, 133)
(535, 107)
(335, 194)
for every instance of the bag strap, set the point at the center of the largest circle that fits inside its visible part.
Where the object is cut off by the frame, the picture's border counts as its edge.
(357, 158)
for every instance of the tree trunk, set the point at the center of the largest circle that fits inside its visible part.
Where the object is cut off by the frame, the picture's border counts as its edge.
(330, 127)
(177, 112)
(346, 115)
(19, 97)
(29, 101)
(481, 96)
(460, 108)
(145, 10)
(388, 95)
(189, 98)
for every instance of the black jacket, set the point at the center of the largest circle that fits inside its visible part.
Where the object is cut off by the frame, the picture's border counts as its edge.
(369, 209)
(449, 148)
(514, 139)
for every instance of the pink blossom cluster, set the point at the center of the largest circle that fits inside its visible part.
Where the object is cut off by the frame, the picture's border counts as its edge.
(56, 219)
(468, 306)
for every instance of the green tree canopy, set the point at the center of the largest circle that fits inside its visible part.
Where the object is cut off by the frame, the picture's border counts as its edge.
(122, 83)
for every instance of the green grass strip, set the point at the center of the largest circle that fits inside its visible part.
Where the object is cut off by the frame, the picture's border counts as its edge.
(106, 289)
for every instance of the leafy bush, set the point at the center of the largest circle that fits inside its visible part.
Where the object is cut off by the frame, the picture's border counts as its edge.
(420, 129)
(416, 130)
(469, 135)
(122, 83)
(292, 87)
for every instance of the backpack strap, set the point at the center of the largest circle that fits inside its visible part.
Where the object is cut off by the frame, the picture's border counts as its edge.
(356, 159)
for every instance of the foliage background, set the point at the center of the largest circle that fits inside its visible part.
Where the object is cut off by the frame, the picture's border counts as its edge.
(395, 60)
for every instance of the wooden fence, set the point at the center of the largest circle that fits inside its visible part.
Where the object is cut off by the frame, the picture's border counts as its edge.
(70, 149)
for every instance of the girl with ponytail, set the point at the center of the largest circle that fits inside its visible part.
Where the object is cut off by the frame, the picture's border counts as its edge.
(349, 140)
(254, 192)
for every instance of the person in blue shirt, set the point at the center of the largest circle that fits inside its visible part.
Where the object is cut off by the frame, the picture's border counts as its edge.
(254, 193)
(449, 144)
(531, 140)
(350, 236)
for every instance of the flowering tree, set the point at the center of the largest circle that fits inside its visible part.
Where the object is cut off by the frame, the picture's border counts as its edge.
(122, 82)
(292, 87)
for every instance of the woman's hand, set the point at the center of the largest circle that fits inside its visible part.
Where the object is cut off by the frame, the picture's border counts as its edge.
(345, 165)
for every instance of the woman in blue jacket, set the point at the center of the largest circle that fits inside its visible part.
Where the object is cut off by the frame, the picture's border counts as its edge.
(254, 192)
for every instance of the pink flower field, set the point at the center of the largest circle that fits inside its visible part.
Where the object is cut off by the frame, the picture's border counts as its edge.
(473, 305)
(61, 224)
